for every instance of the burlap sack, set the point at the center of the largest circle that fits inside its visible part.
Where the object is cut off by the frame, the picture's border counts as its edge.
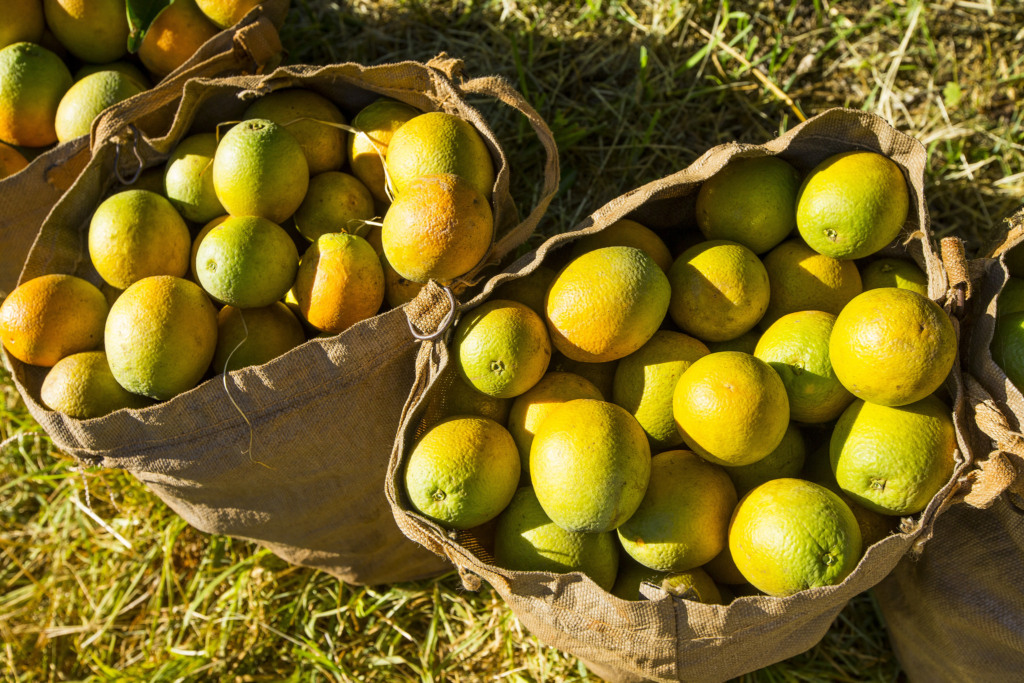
(667, 638)
(956, 612)
(27, 196)
(293, 453)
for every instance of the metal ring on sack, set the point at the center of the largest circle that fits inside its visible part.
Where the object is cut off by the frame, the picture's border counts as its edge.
(138, 157)
(445, 324)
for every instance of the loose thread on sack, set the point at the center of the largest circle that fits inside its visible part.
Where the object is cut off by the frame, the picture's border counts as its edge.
(227, 390)
(87, 509)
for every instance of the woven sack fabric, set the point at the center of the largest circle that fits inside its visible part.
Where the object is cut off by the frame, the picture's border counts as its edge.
(293, 453)
(667, 638)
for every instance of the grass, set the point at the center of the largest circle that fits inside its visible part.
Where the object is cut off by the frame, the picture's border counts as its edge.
(99, 580)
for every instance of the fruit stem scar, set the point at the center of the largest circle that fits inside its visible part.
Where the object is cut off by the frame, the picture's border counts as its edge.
(831, 234)
(497, 366)
(878, 484)
(438, 495)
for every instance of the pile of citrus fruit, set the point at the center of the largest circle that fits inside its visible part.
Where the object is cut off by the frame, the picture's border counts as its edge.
(62, 62)
(747, 415)
(251, 239)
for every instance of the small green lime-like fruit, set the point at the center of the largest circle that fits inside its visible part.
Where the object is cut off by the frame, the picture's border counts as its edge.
(1008, 347)
(1011, 298)
(852, 204)
(797, 347)
(893, 459)
(527, 540)
(188, 178)
(645, 381)
(462, 472)
(751, 201)
(787, 460)
(683, 520)
(82, 386)
(502, 348)
(788, 535)
(590, 465)
(894, 272)
(248, 262)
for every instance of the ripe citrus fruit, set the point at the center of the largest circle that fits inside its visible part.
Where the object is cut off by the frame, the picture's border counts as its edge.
(248, 262)
(788, 535)
(309, 117)
(175, 34)
(746, 343)
(188, 178)
(852, 204)
(803, 280)
(526, 539)
(11, 160)
(84, 101)
(82, 386)
(340, 282)
(683, 520)
(462, 472)
(198, 240)
(719, 290)
(606, 304)
(438, 229)
(751, 201)
(260, 170)
(439, 143)
(723, 570)
(893, 459)
(590, 465)
(254, 336)
(397, 289)
(787, 460)
(529, 410)
(52, 316)
(529, 290)
(892, 346)
(334, 202)
(601, 375)
(797, 347)
(1008, 347)
(92, 30)
(136, 234)
(32, 82)
(160, 336)
(731, 408)
(127, 68)
(455, 397)
(23, 22)
(645, 381)
(501, 348)
(693, 584)
(894, 272)
(367, 150)
(626, 233)
(227, 13)
(1011, 298)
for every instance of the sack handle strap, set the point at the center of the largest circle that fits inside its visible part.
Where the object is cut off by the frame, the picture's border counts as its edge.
(1001, 471)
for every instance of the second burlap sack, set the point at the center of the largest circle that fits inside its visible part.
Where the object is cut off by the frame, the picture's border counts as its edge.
(668, 638)
(292, 453)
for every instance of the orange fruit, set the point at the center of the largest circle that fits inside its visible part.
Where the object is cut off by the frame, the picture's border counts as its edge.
(82, 386)
(175, 34)
(84, 101)
(801, 279)
(52, 316)
(462, 472)
(746, 343)
(626, 233)
(892, 346)
(23, 22)
(136, 234)
(397, 289)
(188, 178)
(601, 375)
(723, 570)
(683, 520)
(254, 336)
(439, 143)
(334, 202)
(455, 397)
(893, 460)
(894, 272)
(92, 30)
(590, 465)
(731, 408)
(340, 282)
(719, 290)
(788, 535)
(11, 160)
(1008, 346)
(368, 149)
(160, 336)
(310, 118)
(227, 13)
(32, 82)
(852, 204)
(530, 409)
(645, 381)
(787, 460)
(529, 290)
(501, 348)
(526, 540)
(260, 170)
(751, 201)
(248, 262)
(127, 68)
(440, 228)
(606, 304)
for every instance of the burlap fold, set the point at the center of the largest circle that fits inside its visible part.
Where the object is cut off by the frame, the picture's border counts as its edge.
(292, 453)
(668, 638)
